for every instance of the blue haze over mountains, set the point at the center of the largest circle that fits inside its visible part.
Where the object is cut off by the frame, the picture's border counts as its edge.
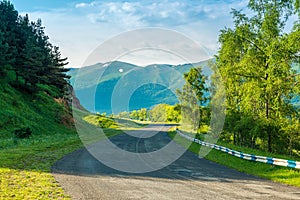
(118, 86)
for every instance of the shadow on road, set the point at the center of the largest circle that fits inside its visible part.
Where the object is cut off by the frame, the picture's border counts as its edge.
(188, 167)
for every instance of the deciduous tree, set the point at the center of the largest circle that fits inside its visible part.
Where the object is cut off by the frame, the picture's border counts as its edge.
(255, 60)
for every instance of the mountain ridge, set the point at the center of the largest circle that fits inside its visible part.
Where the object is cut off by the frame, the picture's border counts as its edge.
(153, 84)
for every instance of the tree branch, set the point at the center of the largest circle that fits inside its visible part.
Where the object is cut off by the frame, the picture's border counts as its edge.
(253, 43)
(248, 76)
(292, 76)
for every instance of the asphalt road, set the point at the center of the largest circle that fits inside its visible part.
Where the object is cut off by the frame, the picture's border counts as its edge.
(84, 177)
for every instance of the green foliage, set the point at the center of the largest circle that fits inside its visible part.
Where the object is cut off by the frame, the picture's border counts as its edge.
(165, 113)
(23, 133)
(275, 173)
(159, 113)
(256, 61)
(25, 163)
(113, 125)
(196, 80)
(100, 121)
(134, 115)
(50, 90)
(141, 115)
(124, 115)
(173, 113)
(26, 51)
(40, 112)
(192, 99)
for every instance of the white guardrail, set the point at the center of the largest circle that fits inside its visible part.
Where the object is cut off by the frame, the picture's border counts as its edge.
(267, 160)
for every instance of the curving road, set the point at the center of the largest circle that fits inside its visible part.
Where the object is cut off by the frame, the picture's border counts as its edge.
(84, 177)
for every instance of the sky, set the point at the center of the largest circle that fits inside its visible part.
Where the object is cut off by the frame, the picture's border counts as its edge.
(78, 27)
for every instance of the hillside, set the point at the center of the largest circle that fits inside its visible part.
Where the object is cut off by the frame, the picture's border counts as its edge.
(25, 162)
(148, 86)
(41, 113)
(34, 88)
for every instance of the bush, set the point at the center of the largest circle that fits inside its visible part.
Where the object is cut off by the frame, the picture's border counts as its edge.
(106, 123)
(23, 133)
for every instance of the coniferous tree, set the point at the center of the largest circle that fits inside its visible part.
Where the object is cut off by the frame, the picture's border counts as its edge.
(3, 54)
(27, 52)
(8, 29)
(59, 78)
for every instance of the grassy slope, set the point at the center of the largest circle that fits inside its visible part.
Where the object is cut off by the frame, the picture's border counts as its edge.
(275, 173)
(25, 164)
(115, 123)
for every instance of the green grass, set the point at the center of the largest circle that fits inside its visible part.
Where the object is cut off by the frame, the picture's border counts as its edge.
(25, 164)
(275, 173)
(113, 123)
(101, 122)
(128, 124)
(25, 168)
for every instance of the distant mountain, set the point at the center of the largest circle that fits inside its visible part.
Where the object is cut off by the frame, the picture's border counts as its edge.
(118, 86)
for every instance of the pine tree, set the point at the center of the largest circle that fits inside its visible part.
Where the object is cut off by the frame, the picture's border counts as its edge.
(25, 50)
(8, 39)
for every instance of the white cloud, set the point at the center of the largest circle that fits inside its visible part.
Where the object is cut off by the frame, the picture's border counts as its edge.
(78, 31)
(76, 36)
(128, 7)
(81, 5)
(86, 5)
(161, 13)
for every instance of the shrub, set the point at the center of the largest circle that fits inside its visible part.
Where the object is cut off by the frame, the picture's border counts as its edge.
(23, 133)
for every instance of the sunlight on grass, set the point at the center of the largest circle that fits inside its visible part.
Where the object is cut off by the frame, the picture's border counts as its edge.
(25, 164)
(25, 168)
(274, 173)
(112, 123)
(22, 184)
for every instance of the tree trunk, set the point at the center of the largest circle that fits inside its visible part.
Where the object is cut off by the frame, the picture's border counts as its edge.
(234, 138)
(17, 76)
(268, 127)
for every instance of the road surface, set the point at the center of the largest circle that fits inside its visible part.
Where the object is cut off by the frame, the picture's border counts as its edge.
(84, 177)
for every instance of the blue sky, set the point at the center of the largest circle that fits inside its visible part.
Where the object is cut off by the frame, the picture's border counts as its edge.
(79, 26)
